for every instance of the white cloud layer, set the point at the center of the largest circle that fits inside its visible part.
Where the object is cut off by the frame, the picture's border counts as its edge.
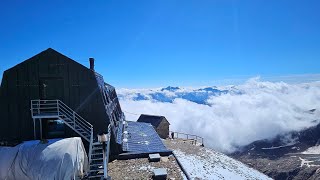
(261, 111)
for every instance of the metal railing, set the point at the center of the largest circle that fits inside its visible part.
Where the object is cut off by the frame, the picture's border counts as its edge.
(57, 109)
(111, 106)
(103, 144)
(194, 138)
(90, 146)
(106, 154)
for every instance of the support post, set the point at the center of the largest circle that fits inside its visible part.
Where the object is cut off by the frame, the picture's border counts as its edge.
(40, 120)
(105, 163)
(90, 146)
(108, 151)
(58, 108)
(38, 105)
(34, 129)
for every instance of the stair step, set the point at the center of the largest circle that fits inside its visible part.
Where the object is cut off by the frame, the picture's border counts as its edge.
(96, 161)
(97, 147)
(96, 158)
(95, 165)
(96, 143)
(96, 150)
(97, 154)
(93, 156)
(96, 176)
(95, 170)
(96, 173)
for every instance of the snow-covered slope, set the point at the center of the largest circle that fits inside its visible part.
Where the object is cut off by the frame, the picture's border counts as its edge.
(204, 163)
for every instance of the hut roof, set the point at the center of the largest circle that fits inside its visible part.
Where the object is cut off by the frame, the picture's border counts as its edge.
(152, 119)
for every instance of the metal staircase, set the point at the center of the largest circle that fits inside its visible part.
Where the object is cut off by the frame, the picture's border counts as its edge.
(56, 109)
(97, 164)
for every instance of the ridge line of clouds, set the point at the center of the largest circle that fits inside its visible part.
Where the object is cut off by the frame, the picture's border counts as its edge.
(262, 110)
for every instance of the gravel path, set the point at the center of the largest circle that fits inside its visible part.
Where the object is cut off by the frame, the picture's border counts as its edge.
(142, 168)
(185, 146)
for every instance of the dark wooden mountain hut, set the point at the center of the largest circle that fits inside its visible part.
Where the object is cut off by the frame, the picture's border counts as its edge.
(160, 124)
(50, 75)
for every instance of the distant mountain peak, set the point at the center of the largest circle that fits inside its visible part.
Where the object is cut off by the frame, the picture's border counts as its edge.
(170, 88)
(213, 88)
(312, 110)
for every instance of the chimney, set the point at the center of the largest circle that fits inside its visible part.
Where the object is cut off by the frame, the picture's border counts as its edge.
(91, 63)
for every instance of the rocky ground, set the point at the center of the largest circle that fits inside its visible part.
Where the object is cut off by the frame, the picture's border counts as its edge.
(291, 167)
(199, 163)
(292, 156)
(186, 146)
(142, 168)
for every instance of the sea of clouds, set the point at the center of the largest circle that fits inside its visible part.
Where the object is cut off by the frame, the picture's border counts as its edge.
(234, 118)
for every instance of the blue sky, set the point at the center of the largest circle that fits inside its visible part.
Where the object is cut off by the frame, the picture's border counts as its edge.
(157, 43)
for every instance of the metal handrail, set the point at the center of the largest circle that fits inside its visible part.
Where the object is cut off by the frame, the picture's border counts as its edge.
(59, 104)
(61, 109)
(77, 115)
(189, 136)
(72, 115)
(90, 146)
(107, 153)
(79, 122)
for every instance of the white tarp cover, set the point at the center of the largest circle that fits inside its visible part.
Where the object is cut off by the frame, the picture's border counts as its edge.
(57, 159)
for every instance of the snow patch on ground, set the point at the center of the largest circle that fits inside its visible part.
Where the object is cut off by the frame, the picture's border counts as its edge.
(308, 163)
(277, 147)
(213, 165)
(312, 150)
